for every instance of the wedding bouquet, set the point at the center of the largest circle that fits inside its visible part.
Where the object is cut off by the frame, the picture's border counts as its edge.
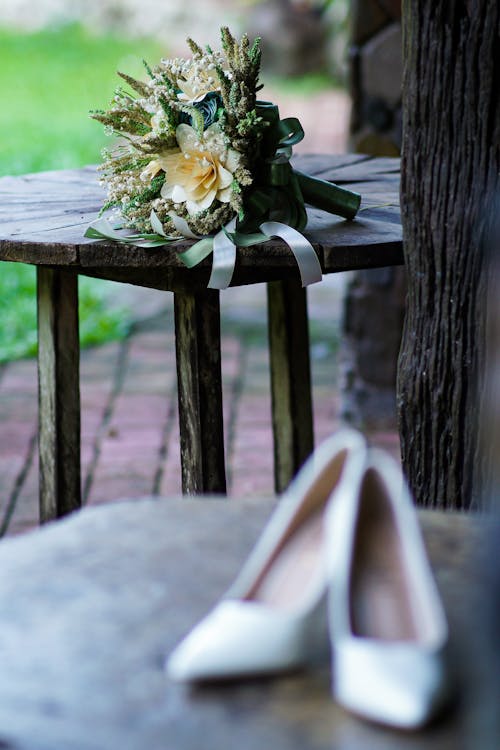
(200, 157)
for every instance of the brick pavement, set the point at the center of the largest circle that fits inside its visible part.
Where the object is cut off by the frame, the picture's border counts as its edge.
(130, 444)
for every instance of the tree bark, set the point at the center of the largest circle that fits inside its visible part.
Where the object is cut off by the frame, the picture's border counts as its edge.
(450, 165)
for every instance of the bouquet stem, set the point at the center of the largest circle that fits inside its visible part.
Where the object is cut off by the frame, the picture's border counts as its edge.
(328, 196)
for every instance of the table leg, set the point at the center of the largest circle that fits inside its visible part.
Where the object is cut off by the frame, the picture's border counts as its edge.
(290, 379)
(58, 393)
(197, 342)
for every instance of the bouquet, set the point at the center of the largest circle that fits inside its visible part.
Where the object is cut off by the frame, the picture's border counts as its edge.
(200, 157)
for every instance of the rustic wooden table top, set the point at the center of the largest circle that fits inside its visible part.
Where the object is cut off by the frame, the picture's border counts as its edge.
(89, 607)
(43, 218)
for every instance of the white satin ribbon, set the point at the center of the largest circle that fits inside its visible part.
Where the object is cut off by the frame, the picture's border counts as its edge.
(182, 226)
(307, 260)
(224, 255)
(224, 249)
(224, 258)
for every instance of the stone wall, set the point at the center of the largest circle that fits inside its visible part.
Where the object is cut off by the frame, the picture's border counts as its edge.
(376, 69)
(375, 300)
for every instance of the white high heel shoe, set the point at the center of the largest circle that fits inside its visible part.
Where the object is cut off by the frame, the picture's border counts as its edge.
(387, 625)
(274, 619)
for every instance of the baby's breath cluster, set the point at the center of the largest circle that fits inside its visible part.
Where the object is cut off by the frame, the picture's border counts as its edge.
(187, 138)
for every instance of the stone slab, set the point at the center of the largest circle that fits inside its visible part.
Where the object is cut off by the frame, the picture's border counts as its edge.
(382, 65)
(366, 18)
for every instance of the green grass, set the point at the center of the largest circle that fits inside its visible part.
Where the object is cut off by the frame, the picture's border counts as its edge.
(48, 82)
(306, 85)
(99, 321)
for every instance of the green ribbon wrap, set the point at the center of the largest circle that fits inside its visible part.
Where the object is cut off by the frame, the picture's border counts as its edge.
(281, 192)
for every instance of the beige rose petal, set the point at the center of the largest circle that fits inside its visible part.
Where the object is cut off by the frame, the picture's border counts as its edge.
(225, 178)
(151, 170)
(170, 160)
(209, 180)
(194, 207)
(224, 196)
(179, 194)
(207, 200)
(167, 190)
(232, 160)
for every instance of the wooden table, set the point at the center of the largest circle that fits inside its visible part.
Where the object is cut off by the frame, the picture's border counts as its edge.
(42, 221)
(90, 606)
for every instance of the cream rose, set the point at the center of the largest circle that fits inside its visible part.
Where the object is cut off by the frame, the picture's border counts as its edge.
(201, 171)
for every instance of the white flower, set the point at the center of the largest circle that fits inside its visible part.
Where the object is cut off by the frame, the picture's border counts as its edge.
(159, 121)
(195, 88)
(201, 171)
(198, 77)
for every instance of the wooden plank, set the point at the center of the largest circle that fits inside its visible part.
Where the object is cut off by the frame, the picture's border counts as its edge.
(38, 253)
(360, 171)
(191, 280)
(353, 258)
(290, 379)
(49, 220)
(337, 258)
(316, 164)
(324, 231)
(43, 217)
(387, 186)
(197, 342)
(59, 393)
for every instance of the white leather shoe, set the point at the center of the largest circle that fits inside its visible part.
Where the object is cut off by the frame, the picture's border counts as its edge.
(387, 625)
(274, 617)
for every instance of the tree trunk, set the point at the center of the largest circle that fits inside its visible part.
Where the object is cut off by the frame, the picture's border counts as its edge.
(451, 160)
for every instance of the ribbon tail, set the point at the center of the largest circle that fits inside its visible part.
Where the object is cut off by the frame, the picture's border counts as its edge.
(197, 252)
(182, 226)
(157, 226)
(307, 260)
(101, 229)
(224, 259)
(327, 196)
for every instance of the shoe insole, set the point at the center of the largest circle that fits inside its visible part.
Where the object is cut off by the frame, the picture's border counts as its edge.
(295, 567)
(380, 595)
